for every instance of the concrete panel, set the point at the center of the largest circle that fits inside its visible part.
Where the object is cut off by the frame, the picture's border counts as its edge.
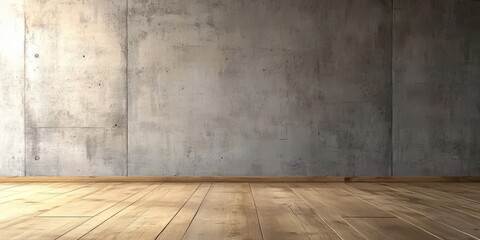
(436, 105)
(76, 87)
(76, 151)
(12, 143)
(264, 87)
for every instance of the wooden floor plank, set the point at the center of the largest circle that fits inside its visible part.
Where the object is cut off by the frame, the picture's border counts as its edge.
(92, 204)
(152, 222)
(460, 190)
(342, 228)
(116, 224)
(285, 215)
(413, 217)
(48, 192)
(177, 228)
(227, 212)
(21, 188)
(145, 219)
(341, 202)
(6, 186)
(17, 211)
(240, 211)
(438, 200)
(63, 188)
(442, 198)
(25, 191)
(92, 223)
(37, 228)
(388, 228)
(431, 209)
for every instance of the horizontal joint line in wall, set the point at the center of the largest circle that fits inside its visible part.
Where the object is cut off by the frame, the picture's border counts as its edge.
(72, 127)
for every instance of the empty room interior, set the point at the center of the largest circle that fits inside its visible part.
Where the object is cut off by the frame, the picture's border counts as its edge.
(240, 119)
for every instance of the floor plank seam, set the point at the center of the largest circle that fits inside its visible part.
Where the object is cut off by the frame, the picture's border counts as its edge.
(328, 209)
(440, 203)
(206, 210)
(191, 195)
(61, 195)
(200, 206)
(108, 217)
(349, 224)
(403, 219)
(256, 210)
(139, 215)
(34, 190)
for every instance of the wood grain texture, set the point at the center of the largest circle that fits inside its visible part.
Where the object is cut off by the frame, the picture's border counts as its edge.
(93, 222)
(17, 210)
(333, 220)
(228, 212)
(91, 205)
(146, 218)
(181, 222)
(283, 214)
(408, 215)
(429, 207)
(388, 228)
(236, 210)
(340, 202)
(467, 191)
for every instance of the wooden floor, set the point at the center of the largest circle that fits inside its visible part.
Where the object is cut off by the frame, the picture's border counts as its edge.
(239, 211)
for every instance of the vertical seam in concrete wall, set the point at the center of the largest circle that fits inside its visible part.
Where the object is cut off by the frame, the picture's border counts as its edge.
(24, 87)
(126, 79)
(391, 85)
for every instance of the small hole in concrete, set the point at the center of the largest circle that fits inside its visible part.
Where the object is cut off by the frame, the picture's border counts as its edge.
(115, 125)
(221, 158)
(36, 55)
(83, 55)
(37, 158)
(99, 84)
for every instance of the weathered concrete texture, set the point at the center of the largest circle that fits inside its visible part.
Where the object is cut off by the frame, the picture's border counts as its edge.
(12, 145)
(264, 87)
(76, 87)
(436, 103)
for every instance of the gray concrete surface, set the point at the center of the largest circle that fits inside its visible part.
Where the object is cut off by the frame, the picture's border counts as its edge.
(12, 139)
(436, 88)
(76, 116)
(230, 87)
(265, 87)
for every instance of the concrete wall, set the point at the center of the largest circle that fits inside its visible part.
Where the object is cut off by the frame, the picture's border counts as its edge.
(76, 118)
(265, 87)
(436, 118)
(12, 136)
(228, 87)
